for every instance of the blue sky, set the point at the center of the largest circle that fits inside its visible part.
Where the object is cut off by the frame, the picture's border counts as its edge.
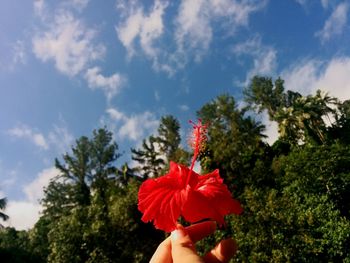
(68, 67)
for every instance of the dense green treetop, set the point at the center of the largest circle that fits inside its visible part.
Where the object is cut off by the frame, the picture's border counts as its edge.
(295, 193)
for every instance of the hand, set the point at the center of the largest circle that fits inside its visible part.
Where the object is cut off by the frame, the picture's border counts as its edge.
(179, 247)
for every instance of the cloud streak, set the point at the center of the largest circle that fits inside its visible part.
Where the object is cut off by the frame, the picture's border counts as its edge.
(58, 139)
(68, 43)
(192, 29)
(134, 127)
(264, 58)
(110, 85)
(330, 76)
(195, 22)
(25, 213)
(335, 24)
(35, 189)
(147, 28)
(25, 132)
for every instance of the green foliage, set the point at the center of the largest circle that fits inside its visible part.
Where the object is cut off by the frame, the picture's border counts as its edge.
(91, 210)
(300, 119)
(234, 141)
(3, 202)
(169, 136)
(151, 163)
(38, 237)
(295, 193)
(15, 247)
(157, 151)
(66, 237)
(138, 240)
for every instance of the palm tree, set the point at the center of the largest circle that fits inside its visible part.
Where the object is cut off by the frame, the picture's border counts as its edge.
(3, 202)
(303, 119)
(149, 159)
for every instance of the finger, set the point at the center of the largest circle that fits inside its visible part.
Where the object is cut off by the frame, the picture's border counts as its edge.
(163, 253)
(196, 233)
(223, 252)
(182, 247)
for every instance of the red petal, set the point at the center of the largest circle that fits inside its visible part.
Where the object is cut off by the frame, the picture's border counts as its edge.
(198, 207)
(184, 192)
(161, 199)
(183, 175)
(212, 187)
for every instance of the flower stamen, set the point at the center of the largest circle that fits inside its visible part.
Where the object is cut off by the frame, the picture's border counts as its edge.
(197, 139)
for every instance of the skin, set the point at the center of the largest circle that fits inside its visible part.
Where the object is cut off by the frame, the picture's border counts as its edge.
(179, 246)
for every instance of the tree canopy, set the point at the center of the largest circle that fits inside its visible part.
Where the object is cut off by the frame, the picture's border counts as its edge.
(295, 193)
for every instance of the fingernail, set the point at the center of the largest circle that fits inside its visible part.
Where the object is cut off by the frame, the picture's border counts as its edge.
(178, 233)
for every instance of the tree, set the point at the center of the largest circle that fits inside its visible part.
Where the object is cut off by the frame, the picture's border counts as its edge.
(300, 119)
(151, 162)
(262, 94)
(169, 140)
(169, 136)
(340, 128)
(15, 247)
(158, 150)
(67, 242)
(77, 172)
(234, 140)
(3, 202)
(78, 198)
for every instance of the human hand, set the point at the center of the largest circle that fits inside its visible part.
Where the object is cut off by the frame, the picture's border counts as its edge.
(179, 247)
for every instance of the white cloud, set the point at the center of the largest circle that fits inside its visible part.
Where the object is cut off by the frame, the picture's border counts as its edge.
(19, 54)
(193, 27)
(25, 213)
(156, 95)
(13, 54)
(271, 128)
(195, 19)
(184, 107)
(61, 138)
(68, 43)
(146, 27)
(302, 76)
(35, 190)
(301, 2)
(40, 140)
(325, 3)
(308, 76)
(77, 4)
(264, 57)
(307, 3)
(329, 76)
(110, 85)
(141, 31)
(115, 114)
(136, 126)
(336, 79)
(40, 8)
(194, 24)
(335, 24)
(25, 132)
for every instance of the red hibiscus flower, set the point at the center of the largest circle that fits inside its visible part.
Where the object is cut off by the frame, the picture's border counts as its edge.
(183, 192)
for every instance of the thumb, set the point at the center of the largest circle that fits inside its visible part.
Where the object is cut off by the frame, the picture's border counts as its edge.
(182, 247)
